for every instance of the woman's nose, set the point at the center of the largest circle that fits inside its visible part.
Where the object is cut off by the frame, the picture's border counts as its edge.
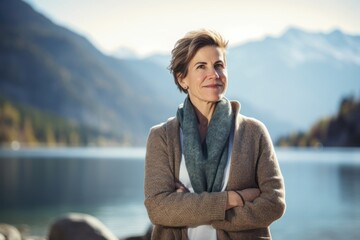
(214, 73)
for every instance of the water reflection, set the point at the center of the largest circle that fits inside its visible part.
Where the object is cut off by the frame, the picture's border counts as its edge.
(31, 181)
(349, 183)
(317, 184)
(322, 191)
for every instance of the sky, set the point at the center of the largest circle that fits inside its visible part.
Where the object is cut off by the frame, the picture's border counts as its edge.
(148, 27)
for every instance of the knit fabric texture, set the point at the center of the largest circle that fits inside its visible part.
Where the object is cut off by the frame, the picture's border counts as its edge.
(205, 162)
(253, 164)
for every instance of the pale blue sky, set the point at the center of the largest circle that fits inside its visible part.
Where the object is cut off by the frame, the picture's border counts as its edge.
(154, 26)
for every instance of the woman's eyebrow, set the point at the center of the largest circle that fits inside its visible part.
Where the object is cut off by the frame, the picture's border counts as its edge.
(200, 63)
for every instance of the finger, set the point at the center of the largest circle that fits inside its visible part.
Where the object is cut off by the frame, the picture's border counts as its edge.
(181, 189)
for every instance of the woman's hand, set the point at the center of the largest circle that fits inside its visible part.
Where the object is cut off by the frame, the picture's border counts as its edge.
(234, 200)
(180, 188)
(248, 194)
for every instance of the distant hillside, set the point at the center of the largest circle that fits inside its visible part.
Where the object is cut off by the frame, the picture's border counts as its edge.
(299, 76)
(55, 70)
(21, 125)
(287, 82)
(341, 130)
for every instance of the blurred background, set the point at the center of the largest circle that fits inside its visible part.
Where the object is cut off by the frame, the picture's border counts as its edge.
(81, 83)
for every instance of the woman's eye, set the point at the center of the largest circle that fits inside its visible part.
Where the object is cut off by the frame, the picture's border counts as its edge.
(219, 66)
(200, 67)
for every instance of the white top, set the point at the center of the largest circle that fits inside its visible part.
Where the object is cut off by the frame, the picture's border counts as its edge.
(203, 231)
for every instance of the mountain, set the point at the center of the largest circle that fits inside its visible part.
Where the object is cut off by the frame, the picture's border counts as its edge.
(58, 71)
(298, 77)
(125, 53)
(288, 82)
(23, 126)
(339, 130)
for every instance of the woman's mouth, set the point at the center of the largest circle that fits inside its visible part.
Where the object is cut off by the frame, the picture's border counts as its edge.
(214, 85)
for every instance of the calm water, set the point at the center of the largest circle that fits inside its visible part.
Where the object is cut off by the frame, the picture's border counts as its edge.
(38, 186)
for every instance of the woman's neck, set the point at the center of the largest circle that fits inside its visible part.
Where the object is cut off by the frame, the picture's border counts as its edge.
(204, 113)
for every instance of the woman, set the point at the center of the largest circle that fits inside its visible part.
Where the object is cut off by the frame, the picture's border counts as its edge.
(210, 173)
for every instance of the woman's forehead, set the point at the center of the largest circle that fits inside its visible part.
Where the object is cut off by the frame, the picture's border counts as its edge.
(209, 53)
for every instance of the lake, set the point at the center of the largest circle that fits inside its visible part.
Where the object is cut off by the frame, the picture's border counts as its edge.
(38, 186)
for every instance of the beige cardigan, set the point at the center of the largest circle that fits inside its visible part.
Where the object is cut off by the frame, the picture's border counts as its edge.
(253, 164)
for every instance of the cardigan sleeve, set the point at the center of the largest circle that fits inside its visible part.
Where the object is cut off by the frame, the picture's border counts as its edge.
(164, 205)
(270, 205)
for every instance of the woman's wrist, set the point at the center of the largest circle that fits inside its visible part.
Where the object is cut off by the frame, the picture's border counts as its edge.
(241, 197)
(233, 200)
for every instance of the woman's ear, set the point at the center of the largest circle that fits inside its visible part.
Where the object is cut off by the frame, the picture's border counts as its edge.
(181, 81)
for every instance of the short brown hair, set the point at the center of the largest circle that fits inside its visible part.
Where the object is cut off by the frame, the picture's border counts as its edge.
(186, 48)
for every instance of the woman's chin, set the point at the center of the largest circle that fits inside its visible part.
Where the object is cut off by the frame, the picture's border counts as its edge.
(215, 98)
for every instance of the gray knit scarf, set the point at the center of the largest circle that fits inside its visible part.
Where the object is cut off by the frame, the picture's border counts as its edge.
(206, 162)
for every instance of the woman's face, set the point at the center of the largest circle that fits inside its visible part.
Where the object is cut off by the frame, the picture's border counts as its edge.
(206, 80)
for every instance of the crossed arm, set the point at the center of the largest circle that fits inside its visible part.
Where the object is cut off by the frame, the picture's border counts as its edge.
(234, 198)
(170, 204)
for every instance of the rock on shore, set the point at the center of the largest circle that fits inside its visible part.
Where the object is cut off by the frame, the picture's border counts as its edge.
(73, 226)
(8, 232)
